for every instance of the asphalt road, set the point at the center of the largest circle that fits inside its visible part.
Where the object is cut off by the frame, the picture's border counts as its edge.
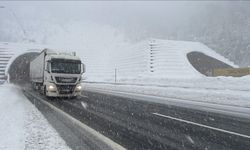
(139, 124)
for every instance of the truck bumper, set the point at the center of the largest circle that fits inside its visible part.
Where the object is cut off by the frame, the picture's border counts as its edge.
(56, 94)
(56, 91)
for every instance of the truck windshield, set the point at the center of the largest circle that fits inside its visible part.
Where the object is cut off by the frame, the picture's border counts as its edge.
(66, 66)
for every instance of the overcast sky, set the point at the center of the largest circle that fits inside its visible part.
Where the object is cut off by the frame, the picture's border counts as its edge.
(153, 17)
(120, 13)
(103, 11)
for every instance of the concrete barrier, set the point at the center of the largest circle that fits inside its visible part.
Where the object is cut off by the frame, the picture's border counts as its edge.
(80, 136)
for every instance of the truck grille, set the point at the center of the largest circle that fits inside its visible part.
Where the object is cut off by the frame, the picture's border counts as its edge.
(65, 80)
(66, 89)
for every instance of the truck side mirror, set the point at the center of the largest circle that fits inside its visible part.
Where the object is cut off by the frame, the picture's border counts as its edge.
(83, 68)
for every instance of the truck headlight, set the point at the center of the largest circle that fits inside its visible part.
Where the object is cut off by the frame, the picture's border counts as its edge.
(51, 88)
(78, 87)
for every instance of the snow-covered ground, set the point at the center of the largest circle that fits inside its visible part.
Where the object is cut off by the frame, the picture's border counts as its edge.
(22, 126)
(153, 58)
(220, 90)
(172, 75)
(133, 74)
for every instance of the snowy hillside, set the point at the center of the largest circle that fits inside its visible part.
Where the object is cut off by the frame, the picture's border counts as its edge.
(151, 58)
(10, 51)
(170, 58)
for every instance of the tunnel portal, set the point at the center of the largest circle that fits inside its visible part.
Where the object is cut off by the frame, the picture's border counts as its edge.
(19, 69)
(204, 63)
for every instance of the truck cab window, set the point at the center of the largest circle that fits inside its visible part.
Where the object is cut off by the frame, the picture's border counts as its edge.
(63, 66)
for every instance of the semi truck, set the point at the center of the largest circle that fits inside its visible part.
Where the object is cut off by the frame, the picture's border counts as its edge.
(57, 74)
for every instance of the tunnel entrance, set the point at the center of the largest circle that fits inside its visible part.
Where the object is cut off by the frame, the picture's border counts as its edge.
(20, 68)
(205, 64)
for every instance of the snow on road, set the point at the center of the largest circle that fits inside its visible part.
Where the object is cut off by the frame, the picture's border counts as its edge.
(22, 126)
(220, 90)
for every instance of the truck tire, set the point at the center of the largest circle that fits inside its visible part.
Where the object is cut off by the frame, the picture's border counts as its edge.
(73, 97)
(45, 91)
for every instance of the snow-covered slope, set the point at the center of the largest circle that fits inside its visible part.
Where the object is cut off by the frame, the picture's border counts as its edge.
(169, 58)
(5, 56)
(153, 58)
(10, 51)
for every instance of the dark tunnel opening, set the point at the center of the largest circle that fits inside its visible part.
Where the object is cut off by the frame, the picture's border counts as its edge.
(205, 64)
(20, 68)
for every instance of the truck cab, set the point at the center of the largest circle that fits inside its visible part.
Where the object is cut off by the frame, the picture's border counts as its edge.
(62, 74)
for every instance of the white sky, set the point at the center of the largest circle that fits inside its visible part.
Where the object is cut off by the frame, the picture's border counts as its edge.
(121, 13)
(153, 17)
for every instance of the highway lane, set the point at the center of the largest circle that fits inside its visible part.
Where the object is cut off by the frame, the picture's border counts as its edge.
(146, 125)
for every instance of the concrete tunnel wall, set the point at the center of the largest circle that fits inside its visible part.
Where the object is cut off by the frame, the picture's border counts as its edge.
(19, 68)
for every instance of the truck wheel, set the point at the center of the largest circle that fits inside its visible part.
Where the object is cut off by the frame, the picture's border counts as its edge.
(73, 97)
(32, 85)
(45, 91)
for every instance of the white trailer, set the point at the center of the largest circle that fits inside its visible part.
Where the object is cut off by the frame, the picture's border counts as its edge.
(57, 74)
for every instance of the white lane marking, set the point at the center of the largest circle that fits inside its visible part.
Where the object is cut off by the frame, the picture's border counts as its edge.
(84, 96)
(202, 125)
(84, 105)
(204, 106)
(189, 139)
